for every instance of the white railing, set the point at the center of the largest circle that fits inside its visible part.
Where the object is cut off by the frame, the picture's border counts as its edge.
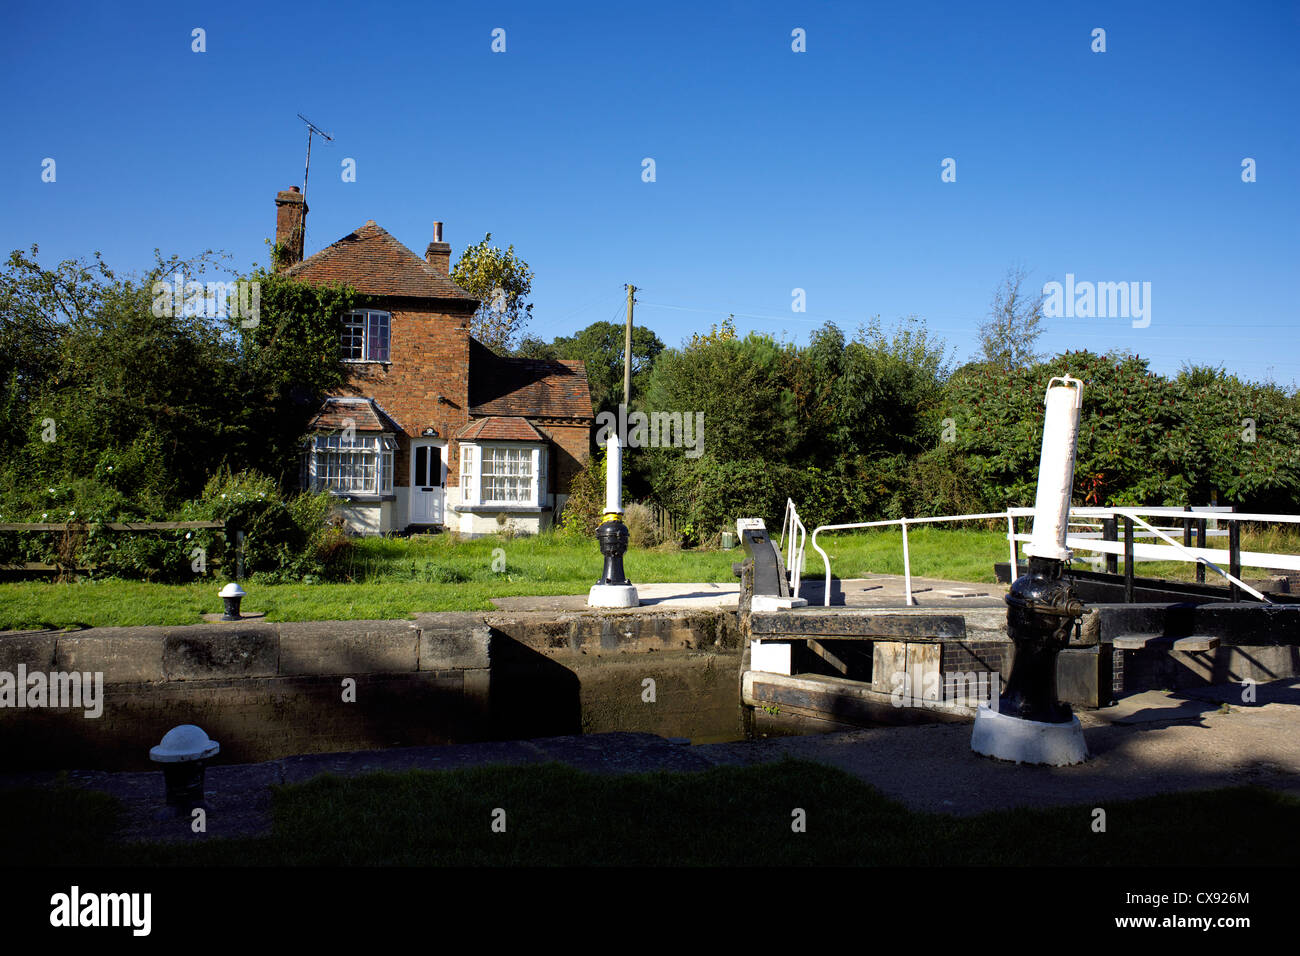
(1092, 541)
(793, 550)
(903, 524)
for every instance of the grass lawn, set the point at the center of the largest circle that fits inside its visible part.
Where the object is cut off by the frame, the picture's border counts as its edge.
(398, 577)
(723, 816)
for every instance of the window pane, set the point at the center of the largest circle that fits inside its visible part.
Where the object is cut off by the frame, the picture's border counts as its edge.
(507, 475)
(346, 466)
(422, 465)
(351, 345)
(378, 337)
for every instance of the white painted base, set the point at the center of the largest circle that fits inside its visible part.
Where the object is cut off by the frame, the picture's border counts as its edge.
(772, 658)
(613, 595)
(1027, 741)
(766, 602)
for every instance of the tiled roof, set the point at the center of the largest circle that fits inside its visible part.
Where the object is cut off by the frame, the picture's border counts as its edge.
(374, 263)
(499, 428)
(364, 413)
(529, 387)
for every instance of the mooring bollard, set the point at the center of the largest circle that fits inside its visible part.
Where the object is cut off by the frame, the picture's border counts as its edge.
(1030, 725)
(613, 589)
(184, 752)
(230, 596)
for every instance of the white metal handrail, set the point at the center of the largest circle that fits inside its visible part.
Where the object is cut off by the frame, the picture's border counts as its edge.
(1090, 541)
(903, 523)
(1241, 584)
(795, 551)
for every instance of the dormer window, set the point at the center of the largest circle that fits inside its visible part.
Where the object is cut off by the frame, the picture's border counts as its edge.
(365, 336)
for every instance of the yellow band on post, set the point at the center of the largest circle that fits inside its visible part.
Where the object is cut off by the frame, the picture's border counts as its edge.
(611, 516)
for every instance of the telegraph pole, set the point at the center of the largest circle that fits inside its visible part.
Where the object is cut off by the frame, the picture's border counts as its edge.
(627, 349)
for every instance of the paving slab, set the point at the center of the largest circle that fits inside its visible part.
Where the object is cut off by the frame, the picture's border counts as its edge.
(932, 768)
(877, 590)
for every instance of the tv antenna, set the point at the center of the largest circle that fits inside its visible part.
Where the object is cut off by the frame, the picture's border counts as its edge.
(312, 129)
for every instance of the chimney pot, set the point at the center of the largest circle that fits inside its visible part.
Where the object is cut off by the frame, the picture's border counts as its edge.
(438, 255)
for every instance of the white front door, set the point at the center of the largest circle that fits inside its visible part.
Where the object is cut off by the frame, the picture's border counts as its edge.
(428, 482)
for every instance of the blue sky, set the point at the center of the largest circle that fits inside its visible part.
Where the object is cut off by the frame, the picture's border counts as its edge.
(775, 170)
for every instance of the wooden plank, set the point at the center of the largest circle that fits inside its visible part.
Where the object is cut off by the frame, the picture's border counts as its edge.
(1199, 642)
(821, 651)
(866, 625)
(889, 660)
(114, 526)
(923, 679)
(1133, 642)
(163, 525)
(840, 699)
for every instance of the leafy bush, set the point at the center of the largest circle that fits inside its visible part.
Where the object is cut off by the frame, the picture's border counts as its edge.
(586, 501)
(642, 529)
(283, 540)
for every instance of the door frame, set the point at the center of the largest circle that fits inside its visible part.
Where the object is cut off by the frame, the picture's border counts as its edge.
(441, 446)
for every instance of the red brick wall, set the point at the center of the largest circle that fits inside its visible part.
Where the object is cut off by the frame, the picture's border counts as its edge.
(430, 357)
(573, 446)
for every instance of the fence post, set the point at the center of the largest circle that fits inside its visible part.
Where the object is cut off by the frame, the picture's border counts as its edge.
(1200, 543)
(907, 565)
(1014, 569)
(239, 555)
(1110, 532)
(1128, 560)
(1234, 558)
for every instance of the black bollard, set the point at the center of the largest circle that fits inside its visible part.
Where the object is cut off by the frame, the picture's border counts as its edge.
(1041, 612)
(613, 536)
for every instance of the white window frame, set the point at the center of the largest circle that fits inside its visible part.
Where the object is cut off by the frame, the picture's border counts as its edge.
(349, 465)
(473, 482)
(371, 319)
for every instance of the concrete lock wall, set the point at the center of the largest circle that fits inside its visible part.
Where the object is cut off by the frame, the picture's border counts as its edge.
(266, 690)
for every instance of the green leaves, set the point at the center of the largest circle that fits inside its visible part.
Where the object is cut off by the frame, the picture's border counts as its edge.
(503, 282)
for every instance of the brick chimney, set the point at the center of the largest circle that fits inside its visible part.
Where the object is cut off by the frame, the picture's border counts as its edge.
(438, 254)
(290, 223)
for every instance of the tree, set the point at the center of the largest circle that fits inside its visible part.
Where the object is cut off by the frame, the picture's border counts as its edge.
(1015, 323)
(600, 347)
(114, 401)
(502, 281)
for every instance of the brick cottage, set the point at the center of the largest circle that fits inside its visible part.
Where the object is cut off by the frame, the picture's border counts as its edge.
(431, 429)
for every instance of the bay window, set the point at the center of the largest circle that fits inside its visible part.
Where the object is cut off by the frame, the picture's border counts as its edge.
(350, 464)
(503, 475)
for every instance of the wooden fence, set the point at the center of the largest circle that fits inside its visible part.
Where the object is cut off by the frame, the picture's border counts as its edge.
(75, 527)
(669, 526)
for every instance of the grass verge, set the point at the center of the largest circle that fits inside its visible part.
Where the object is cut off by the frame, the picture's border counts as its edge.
(555, 815)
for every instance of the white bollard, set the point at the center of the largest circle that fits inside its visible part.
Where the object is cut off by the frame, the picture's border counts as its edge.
(1056, 469)
(614, 476)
